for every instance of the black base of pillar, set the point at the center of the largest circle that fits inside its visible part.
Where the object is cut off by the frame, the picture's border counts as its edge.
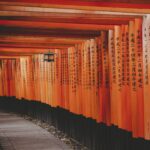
(89, 133)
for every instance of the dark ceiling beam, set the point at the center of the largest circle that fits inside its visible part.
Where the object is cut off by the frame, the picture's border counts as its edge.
(39, 40)
(13, 56)
(12, 45)
(79, 20)
(18, 53)
(38, 44)
(64, 33)
(25, 50)
(49, 25)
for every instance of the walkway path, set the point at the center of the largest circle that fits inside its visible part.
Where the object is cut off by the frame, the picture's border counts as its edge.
(17, 133)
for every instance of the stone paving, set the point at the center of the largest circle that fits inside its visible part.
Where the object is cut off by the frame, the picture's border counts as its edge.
(16, 133)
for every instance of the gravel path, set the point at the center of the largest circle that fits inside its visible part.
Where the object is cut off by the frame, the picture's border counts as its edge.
(75, 145)
(17, 133)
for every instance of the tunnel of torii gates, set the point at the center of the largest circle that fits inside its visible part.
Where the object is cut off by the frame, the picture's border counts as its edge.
(101, 69)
